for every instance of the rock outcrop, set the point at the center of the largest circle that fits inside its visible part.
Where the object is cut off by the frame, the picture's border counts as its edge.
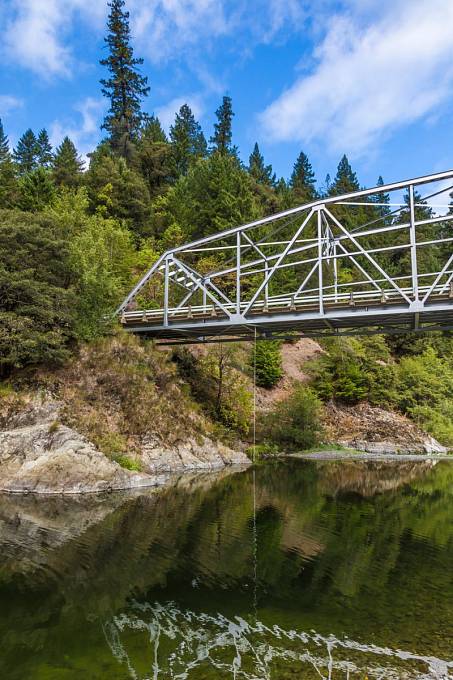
(39, 454)
(375, 430)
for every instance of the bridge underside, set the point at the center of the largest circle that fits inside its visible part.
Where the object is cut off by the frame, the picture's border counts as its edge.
(359, 320)
(346, 265)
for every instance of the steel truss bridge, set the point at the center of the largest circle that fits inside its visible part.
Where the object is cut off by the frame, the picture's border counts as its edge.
(346, 265)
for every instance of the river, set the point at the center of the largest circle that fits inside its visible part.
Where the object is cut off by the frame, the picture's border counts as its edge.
(294, 569)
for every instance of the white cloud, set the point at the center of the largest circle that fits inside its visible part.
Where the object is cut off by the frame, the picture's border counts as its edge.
(163, 27)
(166, 113)
(85, 132)
(36, 32)
(370, 76)
(8, 103)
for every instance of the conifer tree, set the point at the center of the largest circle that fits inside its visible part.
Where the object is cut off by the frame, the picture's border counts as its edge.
(382, 199)
(45, 155)
(345, 181)
(36, 190)
(260, 172)
(303, 180)
(5, 154)
(125, 87)
(26, 152)
(9, 188)
(221, 139)
(152, 130)
(187, 139)
(67, 165)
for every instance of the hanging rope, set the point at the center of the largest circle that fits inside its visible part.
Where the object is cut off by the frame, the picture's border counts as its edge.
(255, 537)
(254, 398)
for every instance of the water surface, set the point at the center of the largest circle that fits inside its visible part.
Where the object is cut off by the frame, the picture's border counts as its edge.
(298, 569)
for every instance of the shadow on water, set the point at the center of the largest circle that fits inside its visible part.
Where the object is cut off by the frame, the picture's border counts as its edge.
(326, 569)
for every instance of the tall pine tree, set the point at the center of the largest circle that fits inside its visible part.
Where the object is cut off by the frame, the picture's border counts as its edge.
(187, 139)
(260, 172)
(303, 180)
(125, 87)
(26, 152)
(221, 139)
(44, 155)
(67, 165)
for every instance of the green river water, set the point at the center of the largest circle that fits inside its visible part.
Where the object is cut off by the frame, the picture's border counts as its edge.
(296, 569)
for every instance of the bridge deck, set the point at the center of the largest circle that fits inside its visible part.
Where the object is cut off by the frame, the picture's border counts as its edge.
(366, 313)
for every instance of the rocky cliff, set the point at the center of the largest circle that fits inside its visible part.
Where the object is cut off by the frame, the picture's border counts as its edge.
(39, 454)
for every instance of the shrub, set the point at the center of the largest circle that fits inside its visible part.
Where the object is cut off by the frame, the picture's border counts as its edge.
(295, 423)
(352, 370)
(267, 357)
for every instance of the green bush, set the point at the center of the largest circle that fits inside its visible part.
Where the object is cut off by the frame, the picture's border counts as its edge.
(267, 358)
(295, 422)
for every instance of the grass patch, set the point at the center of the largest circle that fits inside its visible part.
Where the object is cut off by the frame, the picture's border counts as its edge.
(128, 463)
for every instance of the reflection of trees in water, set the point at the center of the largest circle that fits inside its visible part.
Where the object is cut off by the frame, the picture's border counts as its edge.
(351, 547)
(182, 642)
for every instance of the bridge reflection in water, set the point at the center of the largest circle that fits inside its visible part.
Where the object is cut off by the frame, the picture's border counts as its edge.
(308, 271)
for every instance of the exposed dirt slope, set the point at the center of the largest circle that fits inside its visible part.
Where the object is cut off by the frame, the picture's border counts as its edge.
(294, 355)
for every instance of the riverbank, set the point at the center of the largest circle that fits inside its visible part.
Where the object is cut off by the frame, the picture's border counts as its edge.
(344, 454)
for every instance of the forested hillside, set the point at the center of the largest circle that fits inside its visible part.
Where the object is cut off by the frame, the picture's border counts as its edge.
(75, 234)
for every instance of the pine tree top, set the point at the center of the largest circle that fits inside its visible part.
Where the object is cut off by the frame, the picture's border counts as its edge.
(302, 175)
(5, 154)
(152, 130)
(223, 134)
(187, 139)
(26, 152)
(345, 181)
(261, 172)
(45, 155)
(125, 87)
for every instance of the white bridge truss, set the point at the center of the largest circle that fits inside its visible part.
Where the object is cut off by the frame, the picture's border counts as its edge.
(306, 271)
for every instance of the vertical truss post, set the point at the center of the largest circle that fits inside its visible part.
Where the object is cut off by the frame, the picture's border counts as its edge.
(413, 240)
(204, 297)
(320, 244)
(238, 272)
(266, 287)
(166, 286)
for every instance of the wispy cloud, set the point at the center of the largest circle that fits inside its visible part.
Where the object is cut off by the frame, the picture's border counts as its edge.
(8, 103)
(36, 33)
(370, 76)
(84, 131)
(163, 27)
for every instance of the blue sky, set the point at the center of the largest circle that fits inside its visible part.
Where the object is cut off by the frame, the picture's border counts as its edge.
(370, 78)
